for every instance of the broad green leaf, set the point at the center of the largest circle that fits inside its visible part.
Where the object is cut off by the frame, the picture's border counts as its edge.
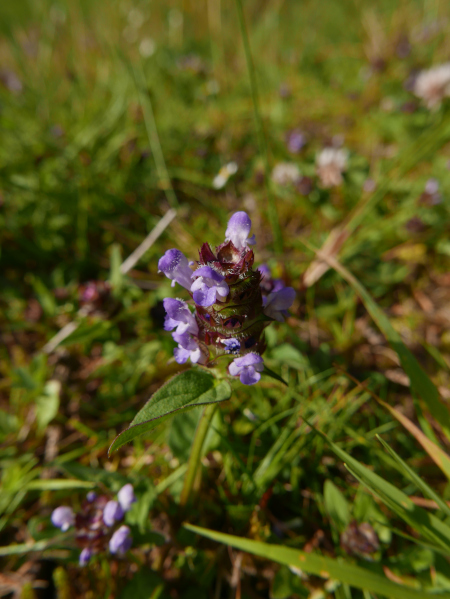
(47, 404)
(325, 567)
(428, 525)
(336, 506)
(185, 391)
(420, 382)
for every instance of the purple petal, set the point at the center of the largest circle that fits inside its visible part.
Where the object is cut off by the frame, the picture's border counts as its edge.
(208, 272)
(179, 316)
(85, 556)
(121, 540)
(205, 297)
(278, 301)
(175, 266)
(112, 513)
(181, 355)
(249, 376)
(63, 517)
(250, 359)
(238, 230)
(232, 345)
(126, 497)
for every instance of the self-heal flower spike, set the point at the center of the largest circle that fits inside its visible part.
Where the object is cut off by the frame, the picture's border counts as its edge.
(121, 540)
(248, 368)
(238, 231)
(175, 266)
(63, 517)
(126, 497)
(233, 304)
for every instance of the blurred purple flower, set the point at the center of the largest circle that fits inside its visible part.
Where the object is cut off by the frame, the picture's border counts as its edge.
(126, 497)
(85, 556)
(277, 302)
(238, 230)
(63, 517)
(295, 141)
(121, 540)
(112, 513)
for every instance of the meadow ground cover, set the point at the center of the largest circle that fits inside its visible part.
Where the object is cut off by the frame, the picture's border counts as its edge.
(322, 473)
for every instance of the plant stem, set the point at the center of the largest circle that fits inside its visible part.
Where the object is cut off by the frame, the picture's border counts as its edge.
(262, 139)
(196, 453)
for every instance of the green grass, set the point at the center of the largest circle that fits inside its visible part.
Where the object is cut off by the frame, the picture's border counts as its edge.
(99, 138)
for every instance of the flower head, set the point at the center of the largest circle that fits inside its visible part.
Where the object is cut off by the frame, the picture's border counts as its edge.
(63, 517)
(433, 85)
(330, 164)
(175, 266)
(286, 173)
(247, 368)
(121, 540)
(231, 301)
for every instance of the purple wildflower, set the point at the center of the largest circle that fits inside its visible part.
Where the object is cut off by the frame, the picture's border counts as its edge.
(63, 517)
(295, 141)
(112, 513)
(209, 287)
(126, 497)
(175, 266)
(91, 496)
(85, 556)
(232, 346)
(248, 368)
(121, 540)
(238, 230)
(187, 348)
(179, 316)
(277, 302)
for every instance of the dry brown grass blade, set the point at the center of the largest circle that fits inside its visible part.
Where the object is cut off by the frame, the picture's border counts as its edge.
(330, 249)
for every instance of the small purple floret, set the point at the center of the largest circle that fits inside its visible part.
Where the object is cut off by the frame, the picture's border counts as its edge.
(232, 346)
(121, 540)
(112, 513)
(238, 230)
(126, 497)
(209, 287)
(91, 496)
(175, 266)
(85, 556)
(187, 348)
(63, 518)
(277, 302)
(296, 141)
(248, 368)
(179, 316)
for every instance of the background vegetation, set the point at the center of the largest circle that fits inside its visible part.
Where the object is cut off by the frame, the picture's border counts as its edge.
(110, 114)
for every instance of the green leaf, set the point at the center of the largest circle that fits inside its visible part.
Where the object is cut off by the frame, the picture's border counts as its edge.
(115, 274)
(325, 567)
(58, 484)
(273, 375)
(143, 585)
(420, 382)
(429, 526)
(336, 506)
(47, 404)
(178, 394)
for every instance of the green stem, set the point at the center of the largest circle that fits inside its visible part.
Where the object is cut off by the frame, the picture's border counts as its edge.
(262, 139)
(196, 453)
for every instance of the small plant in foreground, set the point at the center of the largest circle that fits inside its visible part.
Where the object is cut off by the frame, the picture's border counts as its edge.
(96, 523)
(233, 303)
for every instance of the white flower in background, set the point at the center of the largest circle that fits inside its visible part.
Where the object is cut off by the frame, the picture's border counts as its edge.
(147, 47)
(330, 164)
(286, 173)
(224, 174)
(433, 85)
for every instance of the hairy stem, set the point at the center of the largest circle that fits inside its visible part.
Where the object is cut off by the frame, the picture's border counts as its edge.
(196, 453)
